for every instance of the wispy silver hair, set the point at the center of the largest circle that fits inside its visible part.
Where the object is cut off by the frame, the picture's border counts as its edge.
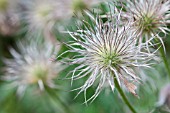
(150, 17)
(106, 50)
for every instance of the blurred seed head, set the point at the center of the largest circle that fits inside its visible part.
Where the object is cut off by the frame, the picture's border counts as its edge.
(42, 15)
(106, 50)
(9, 19)
(32, 66)
(150, 17)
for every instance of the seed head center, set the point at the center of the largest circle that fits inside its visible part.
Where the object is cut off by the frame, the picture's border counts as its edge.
(110, 59)
(147, 23)
(38, 72)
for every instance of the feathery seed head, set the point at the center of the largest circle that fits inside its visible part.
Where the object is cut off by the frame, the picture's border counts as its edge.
(107, 50)
(42, 15)
(150, 16)
(32, 66)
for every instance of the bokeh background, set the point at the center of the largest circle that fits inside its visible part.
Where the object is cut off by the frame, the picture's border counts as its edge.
(15, 27)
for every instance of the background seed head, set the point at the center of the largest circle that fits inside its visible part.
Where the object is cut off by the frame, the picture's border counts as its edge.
(32, 66)
(150, 17)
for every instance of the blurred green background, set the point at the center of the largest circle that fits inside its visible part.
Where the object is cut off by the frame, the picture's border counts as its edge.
(62, 100)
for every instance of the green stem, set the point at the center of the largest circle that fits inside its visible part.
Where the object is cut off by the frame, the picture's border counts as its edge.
(163, 55)
(123, 95)
(52, 94)
(65, 106)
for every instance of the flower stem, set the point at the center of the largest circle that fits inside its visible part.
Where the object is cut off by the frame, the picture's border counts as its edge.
(52, 94)
(123, 95)
(163, 55)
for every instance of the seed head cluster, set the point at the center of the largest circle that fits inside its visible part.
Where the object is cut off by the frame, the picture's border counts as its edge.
(105, 48)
